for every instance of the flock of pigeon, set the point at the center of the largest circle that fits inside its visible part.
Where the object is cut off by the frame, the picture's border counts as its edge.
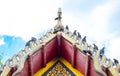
(94, 45)
(33, 39)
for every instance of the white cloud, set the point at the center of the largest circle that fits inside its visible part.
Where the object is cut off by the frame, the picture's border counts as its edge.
(114, 48)
(95, 24)
(100, 18)
(26, 18)
(2, 41)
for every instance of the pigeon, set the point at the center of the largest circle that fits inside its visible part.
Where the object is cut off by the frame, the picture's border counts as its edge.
(28, 43)
(33, 39)
(67, 28)
(59, 15)
(79, 36)
(95, 47)
(116, 61)
(58, 18)
(102, 52)
(74, 33)
(84, 39)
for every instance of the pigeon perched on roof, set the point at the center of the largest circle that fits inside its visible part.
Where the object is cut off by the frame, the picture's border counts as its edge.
(116, 61)
(28, 43)
(32, 39)
(95, 47)
(79, 36)
(102, 52)
(59, 15)
(58, 26)
(84, 39)
(67, 28)
(74, 33)
(58, 18)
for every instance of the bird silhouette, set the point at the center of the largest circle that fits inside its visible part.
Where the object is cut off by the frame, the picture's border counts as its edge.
(67, 28)
(102, 52)
(79, 36)
(28, 43)
(84, 39)
(95, 47)
(116, 61)
(74, 33)
(58, 18)
(33, 39)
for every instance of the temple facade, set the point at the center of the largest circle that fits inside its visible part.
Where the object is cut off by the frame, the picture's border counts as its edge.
(59, 53)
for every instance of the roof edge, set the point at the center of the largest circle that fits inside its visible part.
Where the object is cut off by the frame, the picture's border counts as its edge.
(99, 62)
(19, 59)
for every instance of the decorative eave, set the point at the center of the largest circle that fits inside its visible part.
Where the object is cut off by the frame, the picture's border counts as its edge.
(98, 63)
(19, 59)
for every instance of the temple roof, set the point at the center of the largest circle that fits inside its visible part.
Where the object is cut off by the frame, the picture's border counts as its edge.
(34, 45)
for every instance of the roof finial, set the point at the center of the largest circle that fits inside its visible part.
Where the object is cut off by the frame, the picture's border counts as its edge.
(59, 26)
(59, 15)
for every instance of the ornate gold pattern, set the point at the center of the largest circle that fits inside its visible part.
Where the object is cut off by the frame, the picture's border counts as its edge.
(58, 70)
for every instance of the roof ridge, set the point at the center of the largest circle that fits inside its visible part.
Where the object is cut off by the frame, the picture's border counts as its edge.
(72, 38)
(19, 59)
(99, 61)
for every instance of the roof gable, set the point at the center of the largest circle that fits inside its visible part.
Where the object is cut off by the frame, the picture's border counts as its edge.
(59, 30)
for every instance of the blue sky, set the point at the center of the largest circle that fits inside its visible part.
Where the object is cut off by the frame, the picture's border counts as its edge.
(10, 45)
(20, 20)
